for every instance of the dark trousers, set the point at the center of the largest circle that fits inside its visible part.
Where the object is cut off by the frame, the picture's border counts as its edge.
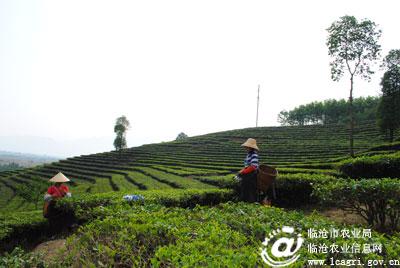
(248, 187)
(58, 220)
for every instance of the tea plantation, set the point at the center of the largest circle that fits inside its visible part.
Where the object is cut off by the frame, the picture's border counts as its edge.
(190, 215)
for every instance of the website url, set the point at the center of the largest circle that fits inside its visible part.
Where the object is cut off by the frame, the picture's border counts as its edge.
(353, 262)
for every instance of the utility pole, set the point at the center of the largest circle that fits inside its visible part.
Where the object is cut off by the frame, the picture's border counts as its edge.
(258, 102)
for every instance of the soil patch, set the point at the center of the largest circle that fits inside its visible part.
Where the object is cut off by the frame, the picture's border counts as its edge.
(50, 249)
(335, 214)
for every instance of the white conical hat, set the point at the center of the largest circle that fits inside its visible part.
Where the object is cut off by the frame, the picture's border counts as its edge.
(59, 178)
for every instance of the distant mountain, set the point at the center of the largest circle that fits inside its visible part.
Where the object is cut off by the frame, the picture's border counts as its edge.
(25, 160)
(58, 148)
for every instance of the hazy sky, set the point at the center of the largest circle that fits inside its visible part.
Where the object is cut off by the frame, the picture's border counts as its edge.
(68, 69)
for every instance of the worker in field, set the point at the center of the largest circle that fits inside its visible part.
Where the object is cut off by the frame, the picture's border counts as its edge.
(248, 175)
(57, 191)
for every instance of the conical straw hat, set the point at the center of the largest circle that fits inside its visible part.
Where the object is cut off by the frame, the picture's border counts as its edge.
(59, 178)
(252, 143)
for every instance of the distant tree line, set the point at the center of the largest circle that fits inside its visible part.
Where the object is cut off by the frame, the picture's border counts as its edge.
(10, 166)
(330, 112)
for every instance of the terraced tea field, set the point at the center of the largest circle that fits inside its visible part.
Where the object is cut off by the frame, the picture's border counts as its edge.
(197, 161)
(188, 183)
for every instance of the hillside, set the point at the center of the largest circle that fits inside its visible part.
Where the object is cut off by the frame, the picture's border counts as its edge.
(197, 162)
(179, 186)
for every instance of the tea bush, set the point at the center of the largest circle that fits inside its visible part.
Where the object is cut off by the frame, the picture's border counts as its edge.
(83, 207)
(297, 189)
(226, 235)
(291, 189)
(376, 200)
(377, 166)
(19, 258)
(19, 227)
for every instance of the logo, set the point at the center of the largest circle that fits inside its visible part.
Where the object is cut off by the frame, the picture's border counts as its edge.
(281, 247)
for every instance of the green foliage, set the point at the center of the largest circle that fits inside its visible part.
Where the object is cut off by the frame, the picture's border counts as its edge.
(377, 166)
(293, 190)
(392, 60)
(20, 228)
(17, 221)
(19, 258)
(86, 204)
(170, 229)
(197, 162)
(330, 112)
(376, 200)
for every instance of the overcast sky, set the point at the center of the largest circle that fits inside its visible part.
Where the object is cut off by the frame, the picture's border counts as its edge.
(68, 69)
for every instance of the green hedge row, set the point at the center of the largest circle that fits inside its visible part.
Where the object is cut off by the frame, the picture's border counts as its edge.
(186, 198)
(377, 166)
(20, 227)
(292, 190)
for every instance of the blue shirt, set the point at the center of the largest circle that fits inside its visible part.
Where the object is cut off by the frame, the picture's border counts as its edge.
(251, 159)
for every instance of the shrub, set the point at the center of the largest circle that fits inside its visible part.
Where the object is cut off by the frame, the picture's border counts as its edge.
(377, 166)
(297, 189)
(19, 258)
(376, 200)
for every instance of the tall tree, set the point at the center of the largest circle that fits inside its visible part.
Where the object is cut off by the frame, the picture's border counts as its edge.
(389, 108)
(121, 126)
(354, 47)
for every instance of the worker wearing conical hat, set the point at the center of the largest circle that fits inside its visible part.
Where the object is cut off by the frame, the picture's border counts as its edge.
(58, 190)
(248, 175)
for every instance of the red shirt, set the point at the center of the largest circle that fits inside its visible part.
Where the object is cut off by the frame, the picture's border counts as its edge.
(58, 191)
(247, 170)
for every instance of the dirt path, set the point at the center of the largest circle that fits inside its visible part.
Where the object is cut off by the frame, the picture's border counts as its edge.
(335, 214)
(50, 249)
(342, 216)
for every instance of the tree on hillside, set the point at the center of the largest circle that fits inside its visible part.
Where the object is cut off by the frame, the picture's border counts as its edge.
(353, 46)
(181, 136)
(389, 108)
(121, 126)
